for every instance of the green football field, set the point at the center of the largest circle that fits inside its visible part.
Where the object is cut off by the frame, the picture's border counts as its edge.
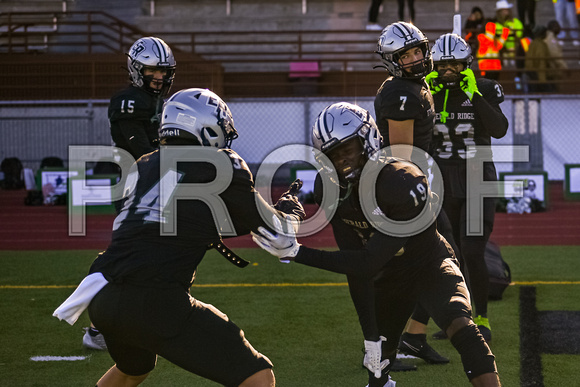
(300, 317)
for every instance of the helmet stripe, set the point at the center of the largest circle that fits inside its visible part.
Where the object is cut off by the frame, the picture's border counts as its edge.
(162, 52)
(404, 30)
(326, 127)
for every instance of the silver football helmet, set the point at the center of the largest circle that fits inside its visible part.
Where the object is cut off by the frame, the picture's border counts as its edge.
(451, 48)
(341, 122)
(151, 52)
(397, 38)
(200, 115)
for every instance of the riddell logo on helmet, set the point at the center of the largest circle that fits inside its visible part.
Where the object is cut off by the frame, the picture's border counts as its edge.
(169, 133)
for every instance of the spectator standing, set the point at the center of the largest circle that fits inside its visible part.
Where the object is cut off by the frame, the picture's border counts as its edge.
(566, 15)
(474, 25)
(553, 29)
(540, 68)
(527, 8)
(374, 9)
(410, 6)
(488, 51)
(505, 19)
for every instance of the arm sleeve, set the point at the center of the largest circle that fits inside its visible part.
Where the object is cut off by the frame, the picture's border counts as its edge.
(247, 207)
(345, 237)
(487, 107)
(364, 263)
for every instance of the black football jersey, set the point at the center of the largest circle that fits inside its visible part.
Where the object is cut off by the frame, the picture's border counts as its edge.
(463, 125)
(468, 123)
(133, 116)
(401, 192)
(401, 99)
(140, 252)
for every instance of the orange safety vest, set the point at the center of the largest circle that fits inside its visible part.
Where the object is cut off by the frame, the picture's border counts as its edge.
(489, 47)
(526, 43)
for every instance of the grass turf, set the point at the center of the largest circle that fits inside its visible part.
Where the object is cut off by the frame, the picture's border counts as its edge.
(300, 317)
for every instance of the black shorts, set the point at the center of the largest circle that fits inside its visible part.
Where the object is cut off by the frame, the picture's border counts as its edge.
(438, 286)
(139, 323)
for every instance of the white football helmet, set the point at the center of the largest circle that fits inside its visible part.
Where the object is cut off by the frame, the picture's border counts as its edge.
(200, 115)
(451, 48)
(341, 122)
(397, 38)
(153, 53)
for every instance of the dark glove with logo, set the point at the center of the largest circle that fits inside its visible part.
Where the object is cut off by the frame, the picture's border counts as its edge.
(288, 202)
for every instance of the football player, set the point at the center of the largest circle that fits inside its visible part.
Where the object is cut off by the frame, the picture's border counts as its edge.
(404, 106)
(393, 272)
(468, 113)
(405, 114)
(134, 111)
(134, 117)
(146, 309)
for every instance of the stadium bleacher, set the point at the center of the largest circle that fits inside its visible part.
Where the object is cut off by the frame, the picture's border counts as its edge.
(255, 37)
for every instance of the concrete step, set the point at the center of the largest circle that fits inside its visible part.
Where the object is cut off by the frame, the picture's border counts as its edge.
(253, 15)
(34, 6)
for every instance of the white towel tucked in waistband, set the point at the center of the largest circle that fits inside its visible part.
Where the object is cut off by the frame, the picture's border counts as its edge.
(71, 309)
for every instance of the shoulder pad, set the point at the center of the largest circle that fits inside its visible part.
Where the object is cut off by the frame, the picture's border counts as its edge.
(237, 161)
(491, 90)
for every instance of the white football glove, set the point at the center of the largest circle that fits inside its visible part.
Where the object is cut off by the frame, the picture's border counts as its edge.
(283, 244)
(373, 353)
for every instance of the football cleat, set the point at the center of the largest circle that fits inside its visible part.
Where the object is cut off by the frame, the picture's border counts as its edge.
(94, 340)
(416, 345)
(400, 366)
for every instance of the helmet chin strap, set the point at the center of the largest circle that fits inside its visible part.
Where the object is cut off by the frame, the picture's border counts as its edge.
(349, 188)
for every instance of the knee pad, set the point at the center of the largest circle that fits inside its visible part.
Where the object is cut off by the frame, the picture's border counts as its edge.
(475, 354)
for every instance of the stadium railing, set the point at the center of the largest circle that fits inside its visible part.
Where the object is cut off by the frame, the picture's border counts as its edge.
(54, 55)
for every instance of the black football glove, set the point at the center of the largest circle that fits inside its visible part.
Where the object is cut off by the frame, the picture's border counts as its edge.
(288, 202)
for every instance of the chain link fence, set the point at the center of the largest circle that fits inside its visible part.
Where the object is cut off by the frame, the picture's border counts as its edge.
(32, 130)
